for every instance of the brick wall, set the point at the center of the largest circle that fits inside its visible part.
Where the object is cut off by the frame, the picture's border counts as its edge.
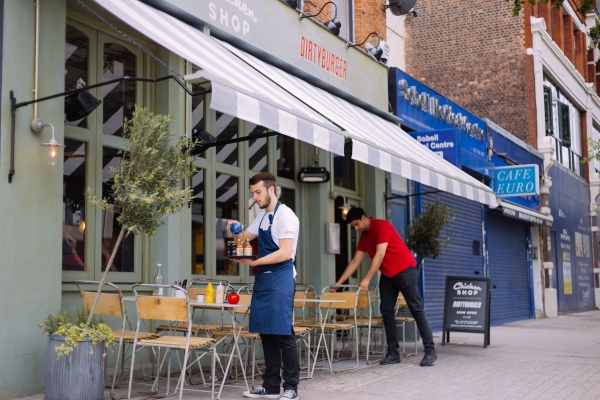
(368, 16)
(473, 52)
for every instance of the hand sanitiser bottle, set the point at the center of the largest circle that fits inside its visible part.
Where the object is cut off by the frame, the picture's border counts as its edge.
(158, 280)
(220, 294)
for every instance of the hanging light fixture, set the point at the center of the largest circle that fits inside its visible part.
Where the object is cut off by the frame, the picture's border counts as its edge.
(54, 145)
(375, 52)
(333, 25)
(345, 207)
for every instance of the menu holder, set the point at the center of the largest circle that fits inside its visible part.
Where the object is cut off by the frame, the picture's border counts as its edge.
(242, 257)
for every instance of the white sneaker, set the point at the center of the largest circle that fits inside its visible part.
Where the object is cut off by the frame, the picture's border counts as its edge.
(261, 393)
(290, 394)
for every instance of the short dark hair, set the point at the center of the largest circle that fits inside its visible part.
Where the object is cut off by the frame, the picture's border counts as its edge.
(355, 214)
(266, 177)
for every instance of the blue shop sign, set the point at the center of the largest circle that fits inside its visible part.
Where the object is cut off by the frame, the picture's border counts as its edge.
(517, 180)
(443, 142)
(423, 109)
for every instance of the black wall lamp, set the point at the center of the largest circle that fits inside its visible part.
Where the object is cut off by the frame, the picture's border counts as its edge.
(78, 104)
(333, 25)
(314, 174)
(402, 7)
(375, 52)
(345, 207)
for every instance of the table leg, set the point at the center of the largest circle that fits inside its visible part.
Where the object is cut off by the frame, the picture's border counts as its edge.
(236, 334)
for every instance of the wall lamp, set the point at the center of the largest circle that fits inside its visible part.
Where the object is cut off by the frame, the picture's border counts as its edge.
(333, 25)
(345, 207)
(375, 52)
(402, 7)
(78, 104)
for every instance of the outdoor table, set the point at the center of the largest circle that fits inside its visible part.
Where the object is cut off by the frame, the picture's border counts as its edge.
(235, 332)
(322, 320)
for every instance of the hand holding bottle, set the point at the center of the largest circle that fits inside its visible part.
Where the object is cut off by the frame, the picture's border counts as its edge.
(235, 227)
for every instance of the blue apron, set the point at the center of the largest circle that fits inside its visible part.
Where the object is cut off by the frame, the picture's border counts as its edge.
(273, 293)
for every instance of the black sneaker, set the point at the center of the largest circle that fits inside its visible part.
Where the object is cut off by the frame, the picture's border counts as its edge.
(429, 358)
(261, 393)
(290, 394)
(392, 357)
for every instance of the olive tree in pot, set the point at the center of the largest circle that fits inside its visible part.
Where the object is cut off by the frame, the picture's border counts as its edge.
(424, 237)
(149, 185)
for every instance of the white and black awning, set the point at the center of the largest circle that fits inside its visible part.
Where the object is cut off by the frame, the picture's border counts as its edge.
(378, 142)
(237, 88)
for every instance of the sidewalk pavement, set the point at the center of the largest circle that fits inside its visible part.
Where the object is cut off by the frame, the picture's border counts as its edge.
(549, 358)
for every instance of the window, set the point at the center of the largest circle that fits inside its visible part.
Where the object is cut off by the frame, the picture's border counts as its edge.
(345, 13)
(198, 120)
(257, 148)
(563, 123)
(93, 145)
(74, 187)
(227, 128)
(285, 157)
(197, 206)
(227, 208)
(344, 169)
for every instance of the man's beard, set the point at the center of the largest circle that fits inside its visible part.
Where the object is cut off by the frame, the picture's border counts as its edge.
(266, 203)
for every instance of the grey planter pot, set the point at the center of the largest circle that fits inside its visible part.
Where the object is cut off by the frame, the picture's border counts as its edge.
(78, 376)
(409, 329)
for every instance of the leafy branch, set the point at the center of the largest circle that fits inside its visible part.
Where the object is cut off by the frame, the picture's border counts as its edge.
(424, 235)
(585, 6)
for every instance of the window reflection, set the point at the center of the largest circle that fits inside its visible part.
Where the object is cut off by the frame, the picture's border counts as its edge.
(76, 64)
(344, 169)
(118, 99)
(197, 109)
(227, 128)
(74, 186)
(198, 223)
(227, 208)
(257, 148)
(285, 157)
(111, 228)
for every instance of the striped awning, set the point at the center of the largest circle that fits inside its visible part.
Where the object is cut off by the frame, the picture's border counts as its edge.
(378, 142)
(237, 89)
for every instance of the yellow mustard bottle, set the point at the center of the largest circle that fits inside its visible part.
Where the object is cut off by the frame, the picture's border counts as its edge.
(209, 296)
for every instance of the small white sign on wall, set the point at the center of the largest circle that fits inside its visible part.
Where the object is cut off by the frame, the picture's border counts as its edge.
(333, 237)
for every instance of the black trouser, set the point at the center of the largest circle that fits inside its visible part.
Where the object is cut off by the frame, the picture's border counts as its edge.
(280, 349)
(407, 283)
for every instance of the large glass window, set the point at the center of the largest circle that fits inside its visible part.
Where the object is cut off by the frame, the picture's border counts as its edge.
(118, 99)
(344, 169)
(198, 121)
(227, 128)
(124, 259)
(285, 157)
(76, 64)
(345, 13)
(74, 186)
(257, 148)
(198, 223)
(227, 208)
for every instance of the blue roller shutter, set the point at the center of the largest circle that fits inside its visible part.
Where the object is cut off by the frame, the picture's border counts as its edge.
(457, 257)
(508, 269)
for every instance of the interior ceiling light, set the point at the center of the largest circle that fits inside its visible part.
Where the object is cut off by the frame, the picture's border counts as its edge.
(333, 25)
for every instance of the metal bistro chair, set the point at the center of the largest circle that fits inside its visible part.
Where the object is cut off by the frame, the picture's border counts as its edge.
(174, 310)
(302, 333)
(403, 321)
(111, 304)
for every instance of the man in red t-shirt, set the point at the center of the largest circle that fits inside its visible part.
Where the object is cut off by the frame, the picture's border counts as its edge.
(394, 260)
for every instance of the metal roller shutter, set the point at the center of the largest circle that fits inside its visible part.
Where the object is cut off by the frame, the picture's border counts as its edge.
(457, 257)
(508, 269)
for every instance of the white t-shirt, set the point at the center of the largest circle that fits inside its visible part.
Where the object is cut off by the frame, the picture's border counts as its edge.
(285, 226)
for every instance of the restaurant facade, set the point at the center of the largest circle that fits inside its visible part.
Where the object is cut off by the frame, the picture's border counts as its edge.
(311, 99)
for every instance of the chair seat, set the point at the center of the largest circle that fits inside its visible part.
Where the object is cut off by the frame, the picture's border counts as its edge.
(243, 334)
(404, 319)
(179, 341)
(301, 330)
(200, 328)
(337, 326)
(307, 320)
(365, 321)
(129, 336)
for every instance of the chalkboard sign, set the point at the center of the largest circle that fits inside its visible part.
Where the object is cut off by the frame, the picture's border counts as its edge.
(467, 307)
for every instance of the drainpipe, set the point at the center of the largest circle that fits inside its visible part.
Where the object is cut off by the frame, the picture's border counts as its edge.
(34, 123)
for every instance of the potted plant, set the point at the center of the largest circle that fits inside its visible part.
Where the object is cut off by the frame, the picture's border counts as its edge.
(424, 235)
(76, 356)
(150, 183)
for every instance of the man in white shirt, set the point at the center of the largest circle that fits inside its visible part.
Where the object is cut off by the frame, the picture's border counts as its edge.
(277, 229)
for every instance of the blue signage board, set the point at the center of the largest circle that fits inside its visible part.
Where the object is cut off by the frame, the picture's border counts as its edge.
(423, 109)
(443, 142)
(517, 180)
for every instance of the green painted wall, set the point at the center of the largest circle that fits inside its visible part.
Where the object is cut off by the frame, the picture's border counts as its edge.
(30, 207)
